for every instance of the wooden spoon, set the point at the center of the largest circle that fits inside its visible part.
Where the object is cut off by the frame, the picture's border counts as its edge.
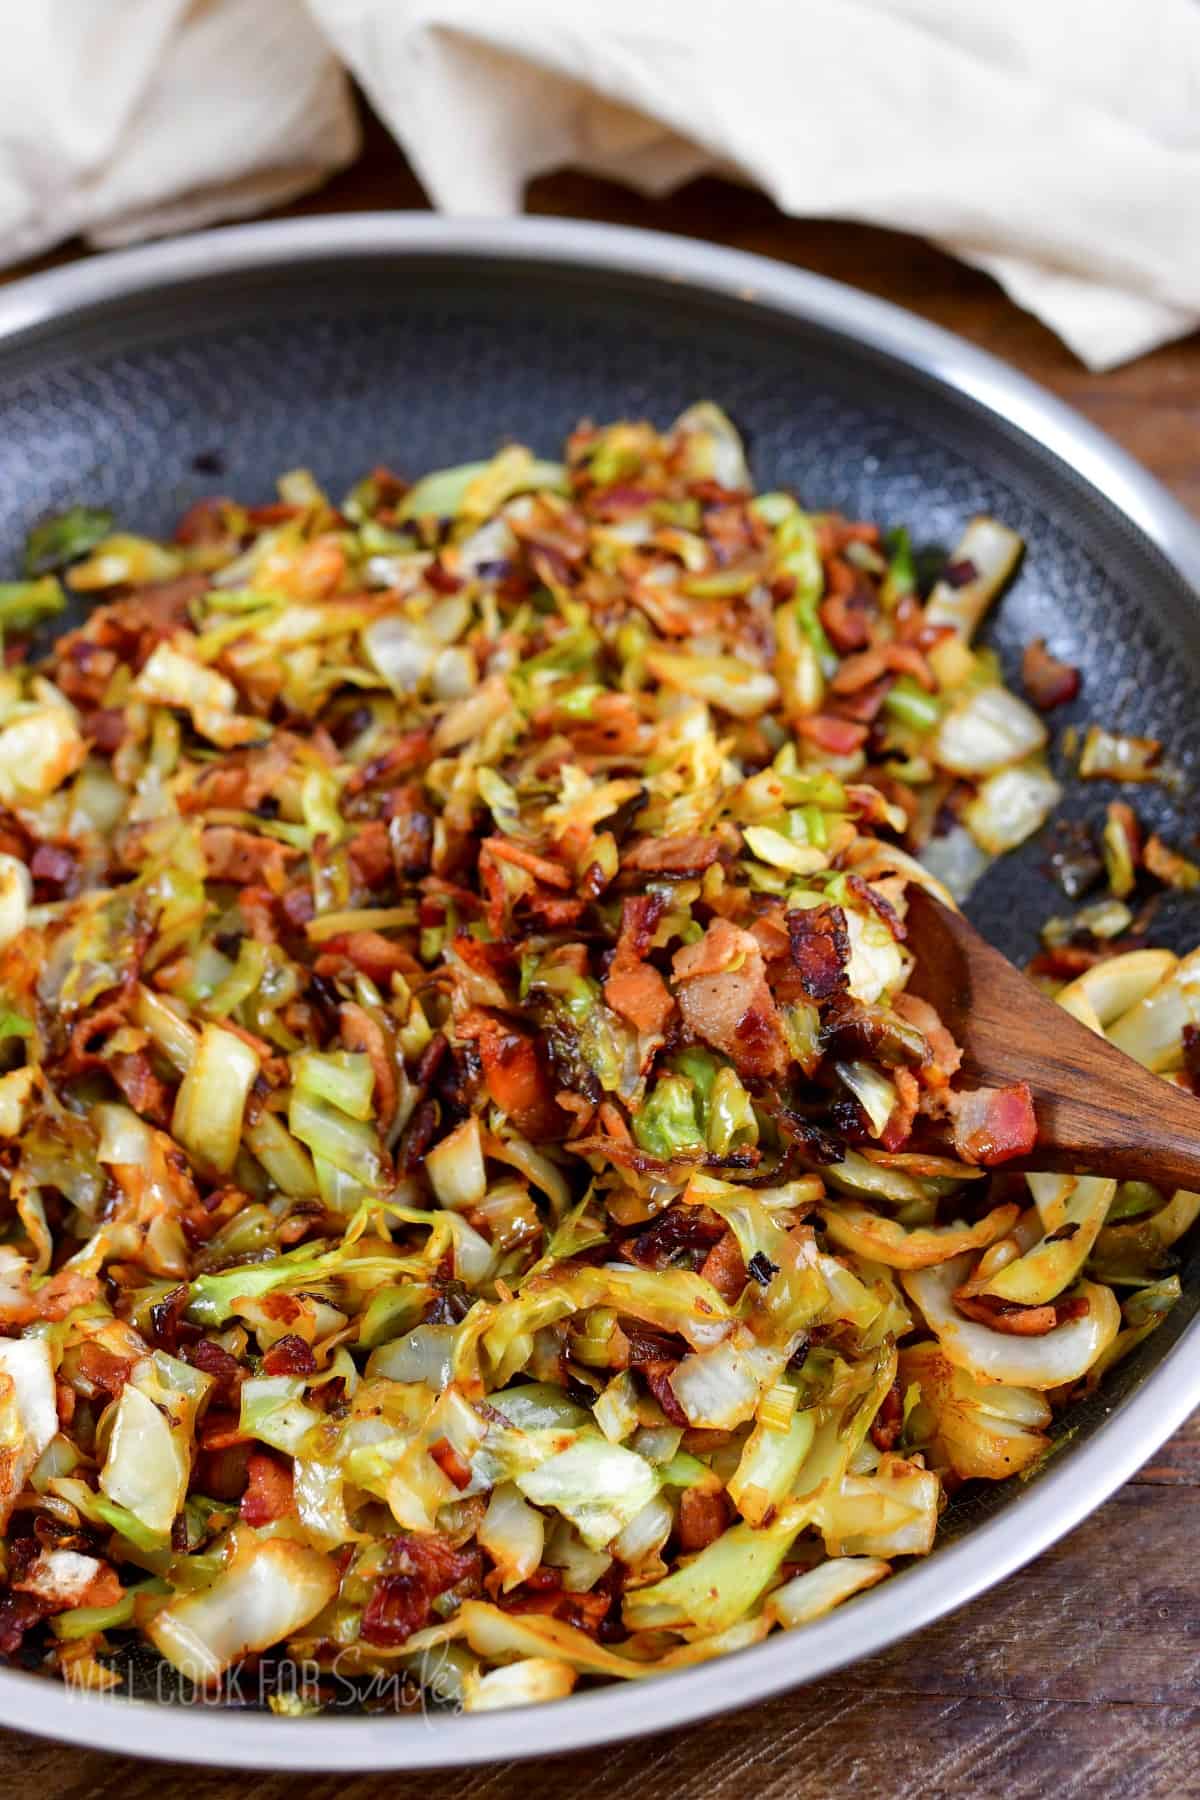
(1098, 1112)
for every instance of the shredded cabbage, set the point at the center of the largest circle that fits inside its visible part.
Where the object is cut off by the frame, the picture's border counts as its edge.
(483, 1203)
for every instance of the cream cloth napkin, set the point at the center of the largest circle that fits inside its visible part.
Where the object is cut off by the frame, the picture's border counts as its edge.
(1055, 143)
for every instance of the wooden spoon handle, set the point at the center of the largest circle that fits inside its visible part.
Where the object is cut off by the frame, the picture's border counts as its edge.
(1098, 1111)
(1101, 1113)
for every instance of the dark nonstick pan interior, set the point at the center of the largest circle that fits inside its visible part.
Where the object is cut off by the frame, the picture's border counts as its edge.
(148, 402)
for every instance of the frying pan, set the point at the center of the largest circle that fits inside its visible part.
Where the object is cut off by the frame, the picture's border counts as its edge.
(146, 380)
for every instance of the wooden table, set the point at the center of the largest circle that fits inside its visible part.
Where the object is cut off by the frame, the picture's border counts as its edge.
(1081, 1676)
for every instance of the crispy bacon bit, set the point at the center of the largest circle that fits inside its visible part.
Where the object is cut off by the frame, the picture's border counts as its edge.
(245, 859)
(452, 1465)
(858, 671)
(52, 866)
(543, 1593)
(289, 1355)
(723, 1266)
(703, 1516)
(363, 1035)
(724, 999)
(516, 1076)
(210, 1359)
(657, 1376)
(134, 1074)
(106, 1371)
(410, 752)
(369, 951)
(848, 615)
(685, 855)
(1047, 681)
(889, 1420)
(820, 949)
(945, 1055)
(268, 1495)
(204, 521)
(19, 1613)
(63, 1293)
(879, 904)
(678, 1231)
(1015, 1320)
(992, 1125)
(370, 854)
(166, 1318)
(410, 832)
(634, 988)
(898, 1129)
(418, 1569)
(552, 874)
(841, 737)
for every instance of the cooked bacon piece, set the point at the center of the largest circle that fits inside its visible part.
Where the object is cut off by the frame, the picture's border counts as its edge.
(840, 737)
(657, 1376)
(907, 659)
(677, 1230)
(683, 855)
(858, 671)
(52, 867)
(543, 1593)
(364, 1036)
(634, 988)
(452, 1465)
(369, 951)
(418, 1569)
(834, 533)
(62, 1577)
(992, 1125)
(257, 907)
(516, 1076)
(864, 706)
(104, 1369)
(410, 831)
(410, 751)
(723, 1266)
(638, 992)
(820, 949)
(370, 854)
(724, 999)
(290, 1355)
(269, 1494)
(19, 1613)
(889, 1420)
(63, 1293)
(226, 1371)
(898, 1129)
(703, 1516)
(555, 911)
(204, 521)
(879, 904)
(848, 616)
(613, 727)
(946, 1057)
(1046, 680)
(1016, 1320)
(540, 867)
(246, 859)
(134, 1074)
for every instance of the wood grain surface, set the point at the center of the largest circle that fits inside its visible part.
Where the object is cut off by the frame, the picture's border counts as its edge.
(1081, 1676)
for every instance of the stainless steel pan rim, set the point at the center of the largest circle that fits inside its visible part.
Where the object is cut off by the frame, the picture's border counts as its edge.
(957, 1571)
